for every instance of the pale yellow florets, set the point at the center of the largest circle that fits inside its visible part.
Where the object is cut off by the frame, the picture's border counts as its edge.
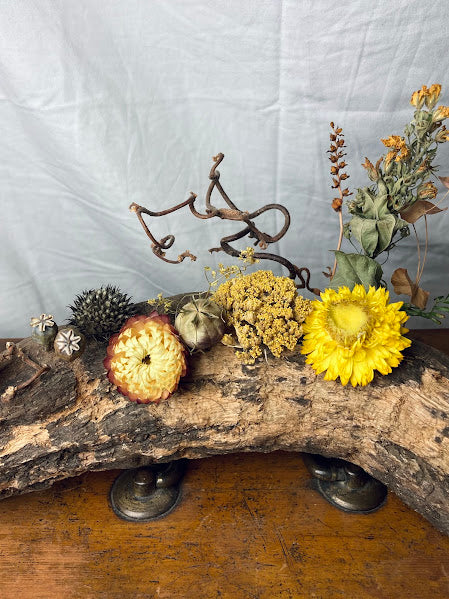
(264, 310)
(247, 256)
(161, 303)
(227, 272)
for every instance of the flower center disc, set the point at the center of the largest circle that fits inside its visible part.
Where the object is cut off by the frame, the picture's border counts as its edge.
(146, 359)
(346, 321)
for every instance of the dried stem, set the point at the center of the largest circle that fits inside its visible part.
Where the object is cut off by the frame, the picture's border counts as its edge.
(426, 245)
(233, 213)
(418, 250)
(340, 239)
(421, 265)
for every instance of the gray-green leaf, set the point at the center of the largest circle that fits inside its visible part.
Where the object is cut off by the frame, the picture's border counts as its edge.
(365, 231)
(385, 228)
(356, 269)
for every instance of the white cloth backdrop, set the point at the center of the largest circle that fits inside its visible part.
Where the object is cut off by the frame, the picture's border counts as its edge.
(106, 102)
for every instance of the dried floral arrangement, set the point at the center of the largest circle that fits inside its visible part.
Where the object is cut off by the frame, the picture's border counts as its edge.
(350, 332)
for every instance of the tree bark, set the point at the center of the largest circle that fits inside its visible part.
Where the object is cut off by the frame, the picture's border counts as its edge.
(72, 419)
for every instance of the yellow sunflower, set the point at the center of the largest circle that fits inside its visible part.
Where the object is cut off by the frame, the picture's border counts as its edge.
(145, 360)
(349, 334)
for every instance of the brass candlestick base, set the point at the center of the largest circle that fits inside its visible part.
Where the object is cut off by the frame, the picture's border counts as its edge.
(346, 485)
(147, 493)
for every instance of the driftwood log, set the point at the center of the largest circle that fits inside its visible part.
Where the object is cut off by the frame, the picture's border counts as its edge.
(71, 420)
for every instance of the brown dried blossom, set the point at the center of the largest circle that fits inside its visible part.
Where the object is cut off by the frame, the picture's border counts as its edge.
(336, 154)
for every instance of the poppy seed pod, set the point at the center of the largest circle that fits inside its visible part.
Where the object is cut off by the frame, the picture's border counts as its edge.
(200, 323)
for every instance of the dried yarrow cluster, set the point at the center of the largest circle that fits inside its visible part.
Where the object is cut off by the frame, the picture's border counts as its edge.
(265, 311)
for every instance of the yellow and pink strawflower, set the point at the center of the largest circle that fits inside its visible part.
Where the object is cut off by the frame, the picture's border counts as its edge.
(146, 359)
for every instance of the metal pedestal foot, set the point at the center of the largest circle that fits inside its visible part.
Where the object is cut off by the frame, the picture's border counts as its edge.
(345, 485)
(147, 493)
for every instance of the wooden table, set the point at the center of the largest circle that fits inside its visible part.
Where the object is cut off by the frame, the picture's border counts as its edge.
(249, 526)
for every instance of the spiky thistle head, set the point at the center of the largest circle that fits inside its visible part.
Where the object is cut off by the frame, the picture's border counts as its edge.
(100, 313)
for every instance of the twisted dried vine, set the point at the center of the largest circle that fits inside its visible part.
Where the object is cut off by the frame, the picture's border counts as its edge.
(262, 240)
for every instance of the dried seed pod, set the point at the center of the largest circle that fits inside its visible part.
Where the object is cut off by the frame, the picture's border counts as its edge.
(44, 330)
(200, 323)
(69, 343)
(101, 312)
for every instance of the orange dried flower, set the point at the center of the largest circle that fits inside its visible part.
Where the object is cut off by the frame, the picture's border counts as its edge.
(389, 157)
(399, 151)
(404, 153)
(429, 96)
(424, 166)
(373, 171)
(394, 141)
(427, 191)
(415, 99)
(442, 136)
(442, 112)
(433, 95)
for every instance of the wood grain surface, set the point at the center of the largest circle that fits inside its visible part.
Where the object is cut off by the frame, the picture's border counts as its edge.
(249, 526)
